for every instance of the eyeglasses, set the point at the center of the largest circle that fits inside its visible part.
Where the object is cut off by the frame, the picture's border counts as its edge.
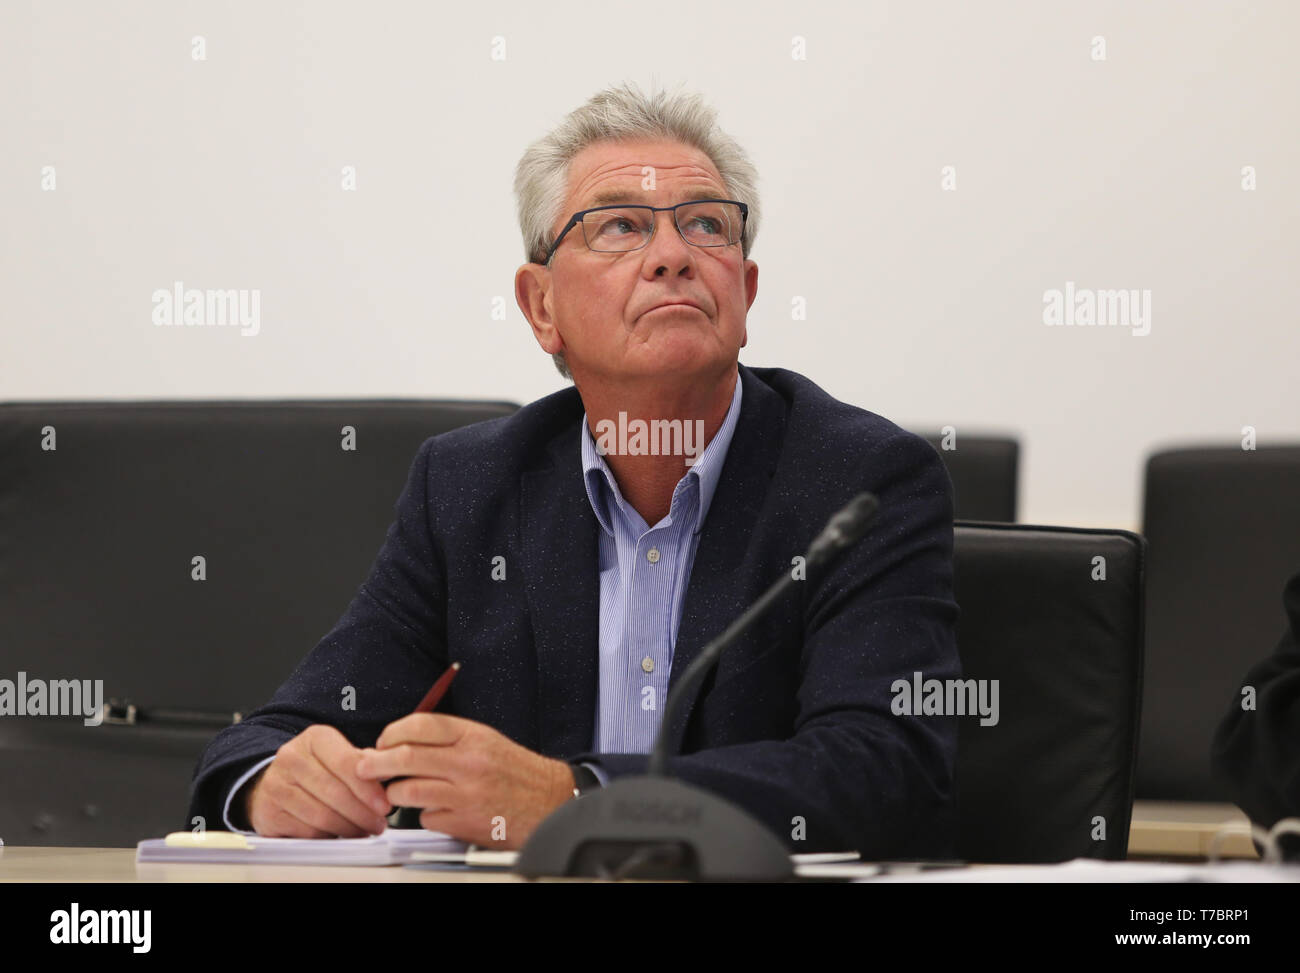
(618, 229)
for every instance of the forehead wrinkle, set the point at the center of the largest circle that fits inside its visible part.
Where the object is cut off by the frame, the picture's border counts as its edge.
(618, 196)
(633, 169)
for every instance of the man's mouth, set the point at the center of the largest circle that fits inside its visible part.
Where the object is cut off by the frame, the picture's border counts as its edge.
(676, 304)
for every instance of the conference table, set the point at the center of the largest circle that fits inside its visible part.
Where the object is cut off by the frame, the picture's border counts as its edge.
(1161, 830)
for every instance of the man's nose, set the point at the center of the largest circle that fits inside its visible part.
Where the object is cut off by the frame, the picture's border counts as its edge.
(666, 244)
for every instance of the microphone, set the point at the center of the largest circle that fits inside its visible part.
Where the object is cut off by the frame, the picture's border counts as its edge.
(652, 826)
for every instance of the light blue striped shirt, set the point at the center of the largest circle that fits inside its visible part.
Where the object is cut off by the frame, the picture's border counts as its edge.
(643, 577)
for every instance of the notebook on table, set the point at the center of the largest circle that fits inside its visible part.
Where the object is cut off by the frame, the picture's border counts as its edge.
(394, 846)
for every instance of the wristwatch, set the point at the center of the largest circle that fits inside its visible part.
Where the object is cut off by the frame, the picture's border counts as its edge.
(585, 780)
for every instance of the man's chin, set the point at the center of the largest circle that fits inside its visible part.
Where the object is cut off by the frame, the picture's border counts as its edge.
(675, 364)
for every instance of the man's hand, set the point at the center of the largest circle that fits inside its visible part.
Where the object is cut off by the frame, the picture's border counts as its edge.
(311, 790)
(474, 783)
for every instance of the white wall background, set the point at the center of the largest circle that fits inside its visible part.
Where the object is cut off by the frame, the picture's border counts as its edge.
(923, 305)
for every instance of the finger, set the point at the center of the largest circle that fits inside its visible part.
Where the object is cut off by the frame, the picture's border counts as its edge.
(407, 760)
(270, 819)
(340, 758)
(425, 793)
(314, 813)
(448, 822)
(285, 825)
(431, 729)
(319, 781)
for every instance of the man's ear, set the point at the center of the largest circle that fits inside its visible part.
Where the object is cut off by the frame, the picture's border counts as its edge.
(533, 295)
(751, 292)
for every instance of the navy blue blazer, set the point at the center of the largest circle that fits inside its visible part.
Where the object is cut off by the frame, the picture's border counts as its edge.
(795, 724)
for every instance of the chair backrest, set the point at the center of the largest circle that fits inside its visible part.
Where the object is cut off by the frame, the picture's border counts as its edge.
(287, 502)
(1223, 528)
(984, 471)
(1054, 614)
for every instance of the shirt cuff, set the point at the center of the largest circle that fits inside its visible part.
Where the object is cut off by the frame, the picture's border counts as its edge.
(225, 811)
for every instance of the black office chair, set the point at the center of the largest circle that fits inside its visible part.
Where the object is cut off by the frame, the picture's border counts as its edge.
(1223, 527)
(1053, 779)
(984, 472)
(96, 542)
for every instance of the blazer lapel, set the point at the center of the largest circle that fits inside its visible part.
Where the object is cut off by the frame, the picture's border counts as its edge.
(714, 598)
(562, 582)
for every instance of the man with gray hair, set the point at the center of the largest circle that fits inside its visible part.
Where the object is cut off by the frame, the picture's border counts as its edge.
(576, 556)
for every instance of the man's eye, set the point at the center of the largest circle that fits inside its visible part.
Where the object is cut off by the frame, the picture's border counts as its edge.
(618, 225)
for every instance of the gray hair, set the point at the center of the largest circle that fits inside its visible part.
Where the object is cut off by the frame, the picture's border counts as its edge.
(619, 113)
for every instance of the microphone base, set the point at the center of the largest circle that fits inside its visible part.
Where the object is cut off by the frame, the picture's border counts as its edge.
(654, 828)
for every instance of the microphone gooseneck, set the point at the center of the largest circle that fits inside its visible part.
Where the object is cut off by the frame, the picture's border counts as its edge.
(842, 531)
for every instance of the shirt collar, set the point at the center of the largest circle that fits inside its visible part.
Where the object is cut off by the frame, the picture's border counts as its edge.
(707, 469)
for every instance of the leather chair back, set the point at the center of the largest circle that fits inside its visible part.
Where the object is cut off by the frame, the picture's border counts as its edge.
(1053, 778)
(286, 502)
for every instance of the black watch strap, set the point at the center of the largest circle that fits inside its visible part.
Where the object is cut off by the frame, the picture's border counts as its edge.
(584, 779)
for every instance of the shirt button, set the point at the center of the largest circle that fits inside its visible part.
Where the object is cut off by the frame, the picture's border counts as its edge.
(652, 555)
(648, 664)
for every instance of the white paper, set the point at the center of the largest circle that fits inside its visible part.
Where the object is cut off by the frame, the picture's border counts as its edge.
(393, 846)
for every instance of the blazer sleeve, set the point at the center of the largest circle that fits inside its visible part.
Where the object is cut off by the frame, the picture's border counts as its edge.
(855, 776)
(369, 670)
(1257, 751)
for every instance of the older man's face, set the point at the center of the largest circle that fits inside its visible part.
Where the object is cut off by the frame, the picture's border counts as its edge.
(606, 306)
